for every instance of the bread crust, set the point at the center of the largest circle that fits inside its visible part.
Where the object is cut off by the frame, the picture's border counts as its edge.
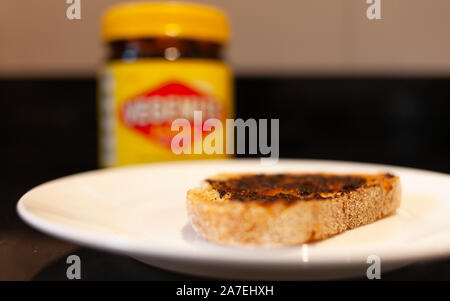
(222, 220)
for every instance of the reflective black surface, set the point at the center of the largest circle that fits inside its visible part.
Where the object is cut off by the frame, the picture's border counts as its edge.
(49, 130)
(100, 266)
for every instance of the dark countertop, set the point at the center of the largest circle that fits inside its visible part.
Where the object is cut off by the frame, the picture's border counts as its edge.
(29, 255)
(49, 131)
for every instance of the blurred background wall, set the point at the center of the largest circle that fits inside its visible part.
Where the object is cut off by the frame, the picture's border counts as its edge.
(269, 37)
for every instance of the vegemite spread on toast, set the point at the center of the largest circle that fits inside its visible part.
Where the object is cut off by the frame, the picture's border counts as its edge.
(287, 187)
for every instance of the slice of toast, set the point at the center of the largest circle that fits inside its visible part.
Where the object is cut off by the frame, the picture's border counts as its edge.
(288, 209)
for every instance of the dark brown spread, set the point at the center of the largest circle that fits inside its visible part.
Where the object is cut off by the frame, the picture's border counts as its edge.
(286, 187)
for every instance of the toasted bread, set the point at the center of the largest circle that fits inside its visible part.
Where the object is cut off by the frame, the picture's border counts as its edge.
(288, 209)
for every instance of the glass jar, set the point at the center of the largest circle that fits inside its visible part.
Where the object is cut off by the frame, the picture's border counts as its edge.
(164, 63)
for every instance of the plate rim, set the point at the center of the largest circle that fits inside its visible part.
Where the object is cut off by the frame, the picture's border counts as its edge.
(123, 245)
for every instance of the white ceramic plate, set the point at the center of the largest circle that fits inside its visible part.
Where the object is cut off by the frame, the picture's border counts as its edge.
(140, 211)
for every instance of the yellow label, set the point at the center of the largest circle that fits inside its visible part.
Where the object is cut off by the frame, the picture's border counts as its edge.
(139, 101)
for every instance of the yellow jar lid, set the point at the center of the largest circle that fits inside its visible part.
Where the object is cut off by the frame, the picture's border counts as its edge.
(168, 19)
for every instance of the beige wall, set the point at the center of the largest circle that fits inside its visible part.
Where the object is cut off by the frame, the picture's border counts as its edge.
(284, 36)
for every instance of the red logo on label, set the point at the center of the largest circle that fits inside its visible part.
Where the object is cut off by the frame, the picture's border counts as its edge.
(152, 113)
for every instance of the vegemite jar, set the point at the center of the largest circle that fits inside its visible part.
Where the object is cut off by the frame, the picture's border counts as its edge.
(164, 64)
